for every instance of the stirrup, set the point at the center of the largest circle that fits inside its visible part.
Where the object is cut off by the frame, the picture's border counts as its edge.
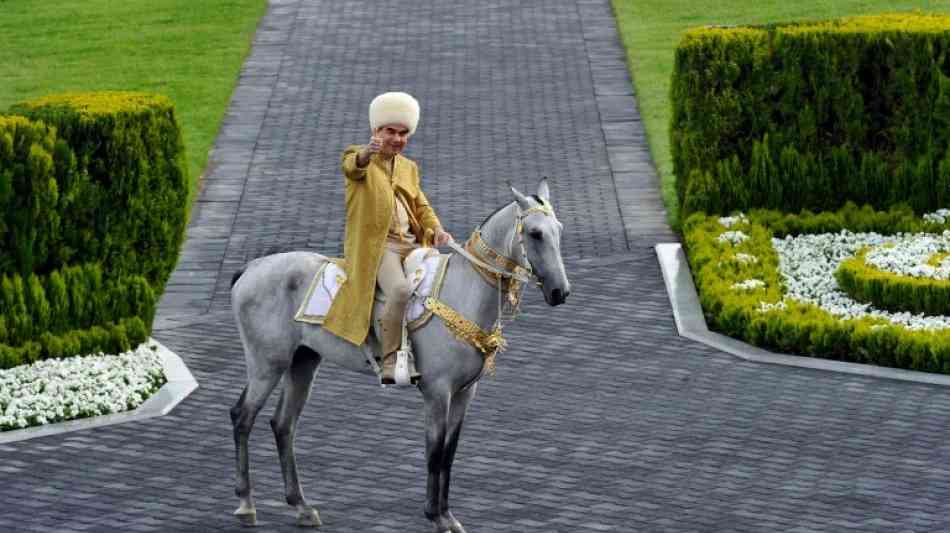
(404, 370)
(405, 373)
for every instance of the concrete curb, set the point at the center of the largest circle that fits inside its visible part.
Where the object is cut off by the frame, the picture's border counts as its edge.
(180, 384)
(691, 324)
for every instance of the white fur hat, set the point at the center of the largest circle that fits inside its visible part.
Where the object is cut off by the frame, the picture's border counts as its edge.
(394, 108)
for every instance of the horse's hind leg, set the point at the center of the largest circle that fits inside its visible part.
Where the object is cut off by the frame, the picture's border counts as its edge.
(242, 418)
(297, 384)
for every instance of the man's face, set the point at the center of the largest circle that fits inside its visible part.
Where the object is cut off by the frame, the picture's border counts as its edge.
(394, 138)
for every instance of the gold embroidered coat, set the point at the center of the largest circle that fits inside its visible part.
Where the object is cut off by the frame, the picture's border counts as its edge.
(369, 212)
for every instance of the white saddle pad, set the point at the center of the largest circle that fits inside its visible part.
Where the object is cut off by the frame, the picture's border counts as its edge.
(425, 271)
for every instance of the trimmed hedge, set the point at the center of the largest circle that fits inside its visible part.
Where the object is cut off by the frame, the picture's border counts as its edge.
(900, 218)
(67, 299)
(791, 326)
(890, 291)
(117, 337)
(93, 191)
(29, 194)
(122, 181)
(809, 115)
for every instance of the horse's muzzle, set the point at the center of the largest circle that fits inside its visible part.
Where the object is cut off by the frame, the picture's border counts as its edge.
(558, 296)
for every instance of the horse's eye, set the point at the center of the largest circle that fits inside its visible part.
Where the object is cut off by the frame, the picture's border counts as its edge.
(535, 234)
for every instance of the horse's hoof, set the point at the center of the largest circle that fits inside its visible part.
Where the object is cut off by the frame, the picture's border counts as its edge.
(246, 518)
(454, 525)
(309, 518)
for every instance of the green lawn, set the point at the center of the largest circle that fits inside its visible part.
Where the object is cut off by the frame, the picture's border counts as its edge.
(650, 30)
(189, 50)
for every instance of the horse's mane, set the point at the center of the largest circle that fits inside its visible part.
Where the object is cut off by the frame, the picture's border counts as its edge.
(495, 212)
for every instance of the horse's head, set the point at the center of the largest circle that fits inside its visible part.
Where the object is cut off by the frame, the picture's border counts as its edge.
(541, 234)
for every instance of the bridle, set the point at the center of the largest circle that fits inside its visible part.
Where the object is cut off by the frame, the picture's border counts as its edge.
(497, 263)
(496, 268)
(494, 271)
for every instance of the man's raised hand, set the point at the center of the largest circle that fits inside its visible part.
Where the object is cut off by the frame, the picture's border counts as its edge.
(374, 146)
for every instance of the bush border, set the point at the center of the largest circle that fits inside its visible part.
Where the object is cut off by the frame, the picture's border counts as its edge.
(890, 291)
(794, 327)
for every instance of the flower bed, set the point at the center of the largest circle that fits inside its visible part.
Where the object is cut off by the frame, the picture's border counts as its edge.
(54, 390)
(907, 275)
(767, 278)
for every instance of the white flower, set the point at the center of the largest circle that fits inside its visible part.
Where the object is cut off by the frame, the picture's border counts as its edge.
(53, 390)
(939, 216)
(765, 307)
(807, 264)
(734, 237)
(749, 284)
(910, 256)
(746, 259)
(728, 222)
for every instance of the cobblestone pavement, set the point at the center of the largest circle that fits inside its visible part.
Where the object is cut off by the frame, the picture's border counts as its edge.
(600, 419)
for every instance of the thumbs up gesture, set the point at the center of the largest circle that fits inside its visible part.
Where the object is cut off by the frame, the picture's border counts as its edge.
(374, 146)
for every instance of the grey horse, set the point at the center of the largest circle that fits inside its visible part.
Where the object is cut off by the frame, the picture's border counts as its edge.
(267, 292)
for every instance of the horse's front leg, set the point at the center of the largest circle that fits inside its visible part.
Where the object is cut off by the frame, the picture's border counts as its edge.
(436, 420)
(457, 409)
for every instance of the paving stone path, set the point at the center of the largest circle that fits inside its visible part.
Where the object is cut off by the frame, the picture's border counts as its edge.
(600, 419)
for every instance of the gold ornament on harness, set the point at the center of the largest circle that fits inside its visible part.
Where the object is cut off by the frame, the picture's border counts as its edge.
(543, 208)
(489, 343)
(512, 287)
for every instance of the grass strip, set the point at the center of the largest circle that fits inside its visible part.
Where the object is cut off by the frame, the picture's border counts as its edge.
(189, 51)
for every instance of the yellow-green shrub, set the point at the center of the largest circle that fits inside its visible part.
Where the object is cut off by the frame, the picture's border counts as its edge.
(70, 299)
(29, 194)
(792, 326)
(87, 180)
(809, 115)
(890, 291)
(109, 338)
(122, 186)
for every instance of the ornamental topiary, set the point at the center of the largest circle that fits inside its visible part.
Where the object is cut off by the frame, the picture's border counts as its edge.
(29, 194)
(112, 165)
(809, 115)
(123, 186)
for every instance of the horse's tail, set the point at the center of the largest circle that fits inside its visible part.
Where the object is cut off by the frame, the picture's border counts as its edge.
(237, 275)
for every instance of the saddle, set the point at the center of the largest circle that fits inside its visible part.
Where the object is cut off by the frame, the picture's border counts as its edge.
(425, 271)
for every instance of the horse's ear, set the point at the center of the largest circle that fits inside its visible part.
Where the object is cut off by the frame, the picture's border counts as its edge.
(543, 190)
(522, 199)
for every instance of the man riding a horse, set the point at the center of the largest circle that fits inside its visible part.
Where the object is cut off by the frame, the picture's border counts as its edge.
(387, 216)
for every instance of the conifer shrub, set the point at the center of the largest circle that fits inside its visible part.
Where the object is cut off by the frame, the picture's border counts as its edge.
(72, 299)
(122, 181)
(29, 194)
(810, 115)
(92, 214)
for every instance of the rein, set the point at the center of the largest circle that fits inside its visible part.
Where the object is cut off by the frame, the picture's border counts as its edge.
(518, 272)
(490, 343)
